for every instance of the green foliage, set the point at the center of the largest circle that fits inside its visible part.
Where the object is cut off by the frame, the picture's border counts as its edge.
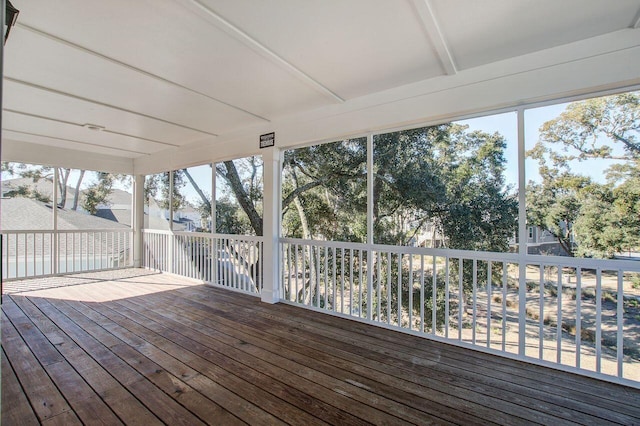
(324, 191)
(442, 176)
(28, 192)
(97, 193)
(230, 219)
(604, 218)
(157, 187)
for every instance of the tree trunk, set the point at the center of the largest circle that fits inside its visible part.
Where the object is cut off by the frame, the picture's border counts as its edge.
(202, 195)
(306, 234)
(63, 177)
(76, 195)
(233, 179)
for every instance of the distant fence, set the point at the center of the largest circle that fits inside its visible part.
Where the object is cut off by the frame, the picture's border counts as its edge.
(36, 253)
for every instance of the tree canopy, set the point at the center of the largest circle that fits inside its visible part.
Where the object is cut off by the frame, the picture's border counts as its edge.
(602, 218)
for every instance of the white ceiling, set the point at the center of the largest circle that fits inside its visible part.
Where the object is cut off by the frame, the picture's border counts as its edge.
(158, 75)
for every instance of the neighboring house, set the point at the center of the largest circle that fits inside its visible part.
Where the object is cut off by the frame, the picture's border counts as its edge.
(541, 241)
(186, 219)
(429, 237)
(117, 207)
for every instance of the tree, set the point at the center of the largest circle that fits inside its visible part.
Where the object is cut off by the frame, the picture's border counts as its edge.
(443, 176)
(447, 177)
(98, 192)
(603, 218)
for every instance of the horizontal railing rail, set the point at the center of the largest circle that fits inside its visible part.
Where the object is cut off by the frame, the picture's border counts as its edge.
(581, 315)
(229, 261)
(37, 253)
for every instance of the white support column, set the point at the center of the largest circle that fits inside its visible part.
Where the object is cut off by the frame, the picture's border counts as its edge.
(138, 219)
(171, 236)
(54, 244)
(213, 197)
(370, 263)
(214, 242)
(522, 237)
(271, 226)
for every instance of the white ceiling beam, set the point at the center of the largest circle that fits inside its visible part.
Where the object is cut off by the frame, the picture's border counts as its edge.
(430, 23)
(95, 102)
(27, 152)
(71, 123)
(133, 68)
(220, 22)
(76, 141)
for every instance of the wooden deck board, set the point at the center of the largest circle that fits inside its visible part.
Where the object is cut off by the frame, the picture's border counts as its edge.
(453, 393)
(159, 349)
(406, 362)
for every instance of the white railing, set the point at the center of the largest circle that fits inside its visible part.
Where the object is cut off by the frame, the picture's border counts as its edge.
(230, 261)
(35, 253)
(581, 315)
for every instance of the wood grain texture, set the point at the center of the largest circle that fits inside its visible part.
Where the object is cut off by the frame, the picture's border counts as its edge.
(160, 349)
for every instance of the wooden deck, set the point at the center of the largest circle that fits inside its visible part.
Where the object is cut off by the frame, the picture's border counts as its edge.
(137, 347)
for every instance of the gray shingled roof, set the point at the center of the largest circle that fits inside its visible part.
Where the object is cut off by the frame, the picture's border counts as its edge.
(19, 214)
(24, 213)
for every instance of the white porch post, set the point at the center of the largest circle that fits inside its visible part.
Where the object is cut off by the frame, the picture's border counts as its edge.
(138, 220)
(522, 236)
(172, 237)
(370, 261)
(271, 226)
(55, 246)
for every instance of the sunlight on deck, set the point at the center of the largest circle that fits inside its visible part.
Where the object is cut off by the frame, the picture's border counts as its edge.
(100, 286)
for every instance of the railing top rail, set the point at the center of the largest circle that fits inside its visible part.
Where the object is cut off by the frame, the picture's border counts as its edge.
(205, 235)
(61, 231)
(560, 261)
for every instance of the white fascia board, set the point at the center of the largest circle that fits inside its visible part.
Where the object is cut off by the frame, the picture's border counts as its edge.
(25, 152)
(602, 63)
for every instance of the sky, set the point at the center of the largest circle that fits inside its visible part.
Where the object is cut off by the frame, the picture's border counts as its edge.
(506, 125)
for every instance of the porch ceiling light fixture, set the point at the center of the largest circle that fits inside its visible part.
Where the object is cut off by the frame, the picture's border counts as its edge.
(94, 127)
(10, 18)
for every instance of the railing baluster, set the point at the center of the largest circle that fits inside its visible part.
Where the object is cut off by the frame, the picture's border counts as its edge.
(360, 283)
(342, 256)
(318, 278)
(26, 262)
(410, 287)
(475, 300)
(489, 285)
(334, 284)
(422, 293)
(399, 290)
(620, 322)
(504, 305)
(446, 297)
(304, 274)
(389, 287)
(379, 285)
(434, 297)
(35, 263)
(326, 276)
(598, 320)
(461, 303)
(578, 315)
(559, 318)
(541, 290)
